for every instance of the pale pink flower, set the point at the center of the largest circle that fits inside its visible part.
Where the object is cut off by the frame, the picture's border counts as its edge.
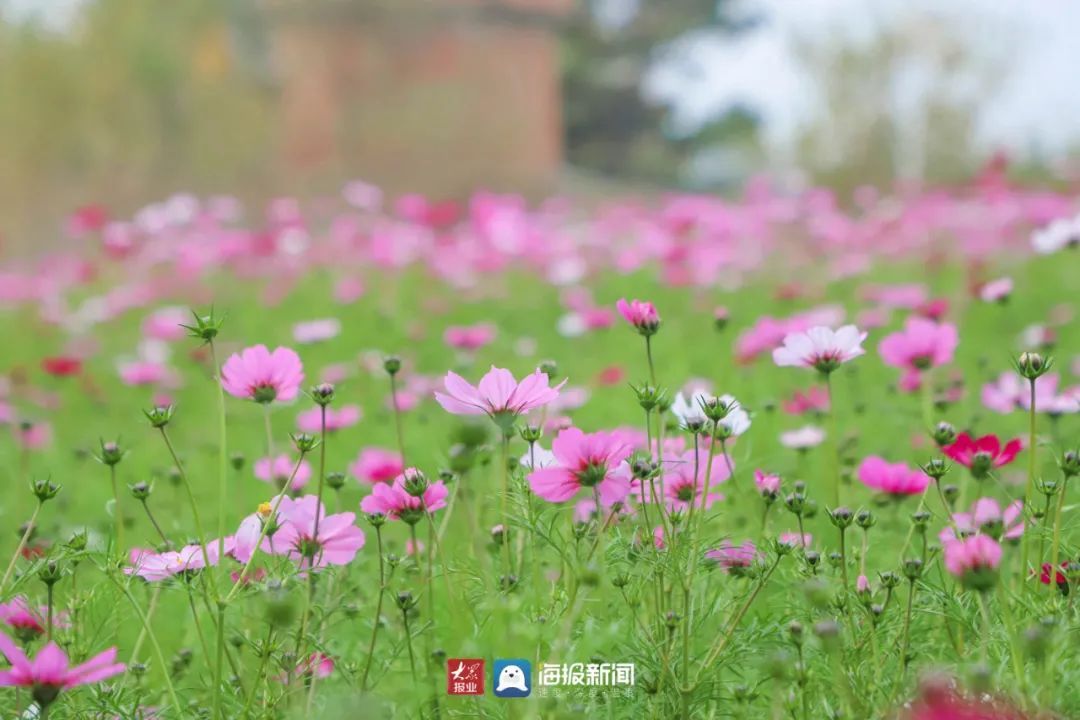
(152, 566)
(337, 540)
(263, 376)
(166, 324)
(314, 331)
(310, 421)
(145, 372)
(921, 345)
(584, 461)
(734, 558)
(862, 585)
(348, 290)
(815, 399)
(277, 471)
(642, 315)
(971, 554)
(821, 348)
(497, 395)
(987, 516)
(469, 337)
(50, 672)
(895, 479)
(393, 501)
(766, 483)
(26, 621)
(377, 465)
(793, 539)
(681, 487)
(33, 435)
(803, 438)
(996, 290)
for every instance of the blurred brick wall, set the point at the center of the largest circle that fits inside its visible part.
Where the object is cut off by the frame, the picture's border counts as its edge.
(441, 96)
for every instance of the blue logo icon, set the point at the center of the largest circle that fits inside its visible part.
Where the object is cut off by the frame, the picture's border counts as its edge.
(512, 678)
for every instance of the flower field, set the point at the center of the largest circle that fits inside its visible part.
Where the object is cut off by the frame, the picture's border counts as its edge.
(791, 455)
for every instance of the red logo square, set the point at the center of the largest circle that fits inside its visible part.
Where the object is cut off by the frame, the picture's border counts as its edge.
(465, 676)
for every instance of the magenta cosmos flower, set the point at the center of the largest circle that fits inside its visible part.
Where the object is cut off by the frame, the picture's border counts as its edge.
(987, 517)
(278, 470)
(27, 622)
(642, 315)
(335, 540)
(152, 567)
(377, 465)
(584, 460)
(895, 479)
(263, 376)
(310, 421)
(682, 488)
(50, 671)
(981, 455)
(821, 348)
(469, 337)
(921, 345)
(734, 559)
(497, 395)
(395, 502)
(767, 484)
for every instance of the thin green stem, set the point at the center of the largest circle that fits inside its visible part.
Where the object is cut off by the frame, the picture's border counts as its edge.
(1029, 488)
(378, 610)
(1056, 544)
(118, 514)
(21, 546)
(397, 418)
(194, 506)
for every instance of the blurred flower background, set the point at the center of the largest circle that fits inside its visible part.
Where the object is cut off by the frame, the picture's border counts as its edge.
(117, 101)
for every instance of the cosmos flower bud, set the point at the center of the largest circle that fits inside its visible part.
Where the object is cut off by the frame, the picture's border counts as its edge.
(1032, 365)
(913, 569)
(649, 397)
(795, 502)
(335, 480)
(715, 408)
(548, 367)
(936, 468)
(950, 492)
(641, 315)
(813, 557)
(531, 432)
(44, 490)
(862, 585)
(377, 520)
(405, 600)
(392, 365)
(509, 582)
(827, 629)
(159, 416)
(919, 519)
(795, 632)
(498, 534)
(1070, 463)
(304, 442)
(889, 579)
(943, 434)
(77, 541)
(110, 454)
(205, 327)
(1047, 486)
(841, 517)
(865, 519)
(237, 461)
(322, 394)
(416, 482)
(620, 580)
(644, 469)
(141, 490)
(50, 573)
(721, 317)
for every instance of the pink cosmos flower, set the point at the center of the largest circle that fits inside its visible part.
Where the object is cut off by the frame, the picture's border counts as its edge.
(497, 395)
(50, 672)
(642, 315)
(166, 324)
(277, 471)
(996, 290)
(393, 501)
(27, 622)
(152, 566)
(319, 665)
(310, 421)
(766, 483)
(921, 345)
(469, 337)
(981, 455)
(682, 488)
(815, 399)
(145, 372)
(821, 348)
(377, 465)
(862, 585)
(314, 331)
(793, 539)
(584, 461)
(987, 516)
(337, 542)
(734, 558)
(33, 435)
(263, 376)
(895, 479)
(971, 554)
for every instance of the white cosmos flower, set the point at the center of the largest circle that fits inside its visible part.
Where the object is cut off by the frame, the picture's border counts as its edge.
(690, 412)
(737, 421)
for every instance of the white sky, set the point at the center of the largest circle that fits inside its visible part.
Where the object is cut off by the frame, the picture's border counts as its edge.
(1028, 51)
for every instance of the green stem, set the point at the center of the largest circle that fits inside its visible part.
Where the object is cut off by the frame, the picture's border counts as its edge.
(118, 515)
(1030, 479)
(21, 546)
(397, 418)
(49, 621)
(834, 440)
(907, 626)
(378, 610)
(1056, 544)
(194, 506)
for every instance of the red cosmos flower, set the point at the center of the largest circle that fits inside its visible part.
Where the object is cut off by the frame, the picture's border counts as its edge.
(982, 454)
(61, 365)
(940, 702)
(1059, 578)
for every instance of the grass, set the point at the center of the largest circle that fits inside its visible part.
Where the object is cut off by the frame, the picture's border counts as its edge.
(578, 604)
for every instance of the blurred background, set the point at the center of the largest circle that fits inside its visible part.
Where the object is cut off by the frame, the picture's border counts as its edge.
(113, 103)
